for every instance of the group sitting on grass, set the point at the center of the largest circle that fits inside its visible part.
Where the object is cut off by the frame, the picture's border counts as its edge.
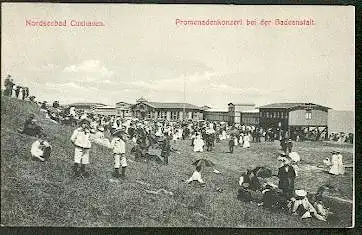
(254, 187)
(144, 136)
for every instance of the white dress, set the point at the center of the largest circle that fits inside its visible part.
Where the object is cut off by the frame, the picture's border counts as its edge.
(246, 141)
(159, 132)
(235, 141)
(179, 133)
(195, 176)
(335, 165)
(223, 135)
(294, 156)
(241, 140)
(340, 164)
(174, 137)
(198, 144)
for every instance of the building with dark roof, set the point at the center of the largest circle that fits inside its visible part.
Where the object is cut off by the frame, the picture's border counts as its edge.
(295, 118)
(144, 109)
(236, 112)
(87, 107)
(123, 109)
(216, 115)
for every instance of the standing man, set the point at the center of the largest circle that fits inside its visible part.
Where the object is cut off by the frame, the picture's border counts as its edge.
(81, 141)
(17, 91)
(286, 175)
(9, 84)
(166, 148)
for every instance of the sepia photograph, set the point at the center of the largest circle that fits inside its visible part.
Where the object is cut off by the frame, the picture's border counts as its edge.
(151, 115)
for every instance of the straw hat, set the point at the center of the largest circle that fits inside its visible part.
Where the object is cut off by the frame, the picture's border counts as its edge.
(100, 128)
(300, 193)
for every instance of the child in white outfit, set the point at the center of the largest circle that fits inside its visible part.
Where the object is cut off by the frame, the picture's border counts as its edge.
(81, 140)
(119, 149)
(41, 149)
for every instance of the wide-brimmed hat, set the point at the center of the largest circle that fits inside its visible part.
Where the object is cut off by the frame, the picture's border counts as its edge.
(333, 152)
(100, 128)
(300, 193)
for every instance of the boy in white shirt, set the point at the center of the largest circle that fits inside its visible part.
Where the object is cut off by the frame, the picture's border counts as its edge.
(81, 141)
(41, 149)
(118, 146)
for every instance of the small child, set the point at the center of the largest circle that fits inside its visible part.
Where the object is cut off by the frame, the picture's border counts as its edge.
(41, 149)
(81, 140)
(119, 149)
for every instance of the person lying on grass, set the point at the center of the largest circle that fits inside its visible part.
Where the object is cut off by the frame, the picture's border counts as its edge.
(196, 176)
(118, 146)
(41, 149)
(81, 140)
(31, 127)
(302, 207)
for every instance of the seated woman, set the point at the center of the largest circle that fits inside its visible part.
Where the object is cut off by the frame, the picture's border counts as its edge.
(274, 199)
(31, 127)
(252, 180)
(41, 149)
(244, 193)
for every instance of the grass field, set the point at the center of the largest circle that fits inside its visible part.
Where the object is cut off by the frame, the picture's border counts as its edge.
(45, 194)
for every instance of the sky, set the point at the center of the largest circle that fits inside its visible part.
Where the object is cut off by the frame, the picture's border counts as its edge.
(141, 52)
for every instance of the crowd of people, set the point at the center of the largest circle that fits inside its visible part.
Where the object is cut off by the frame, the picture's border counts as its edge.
(341, 137)
(15, 90)
(152, 140)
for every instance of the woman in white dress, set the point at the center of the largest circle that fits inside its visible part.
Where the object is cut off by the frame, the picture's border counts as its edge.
(223, 135)
(199, 144)
(236, 141)
(337, 164)
(246, 141)
(340, 163)
(241, 139)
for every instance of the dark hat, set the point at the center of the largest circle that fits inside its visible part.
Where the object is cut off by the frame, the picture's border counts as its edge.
(333, 152)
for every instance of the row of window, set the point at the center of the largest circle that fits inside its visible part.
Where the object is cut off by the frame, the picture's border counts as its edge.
(308, 114)
(274, 114)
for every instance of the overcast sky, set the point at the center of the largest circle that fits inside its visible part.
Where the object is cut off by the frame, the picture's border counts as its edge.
(142, 52)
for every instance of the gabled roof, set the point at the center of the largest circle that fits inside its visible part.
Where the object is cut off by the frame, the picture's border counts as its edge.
(291, 106)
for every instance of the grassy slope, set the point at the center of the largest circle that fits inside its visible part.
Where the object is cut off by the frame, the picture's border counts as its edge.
(45, 194)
